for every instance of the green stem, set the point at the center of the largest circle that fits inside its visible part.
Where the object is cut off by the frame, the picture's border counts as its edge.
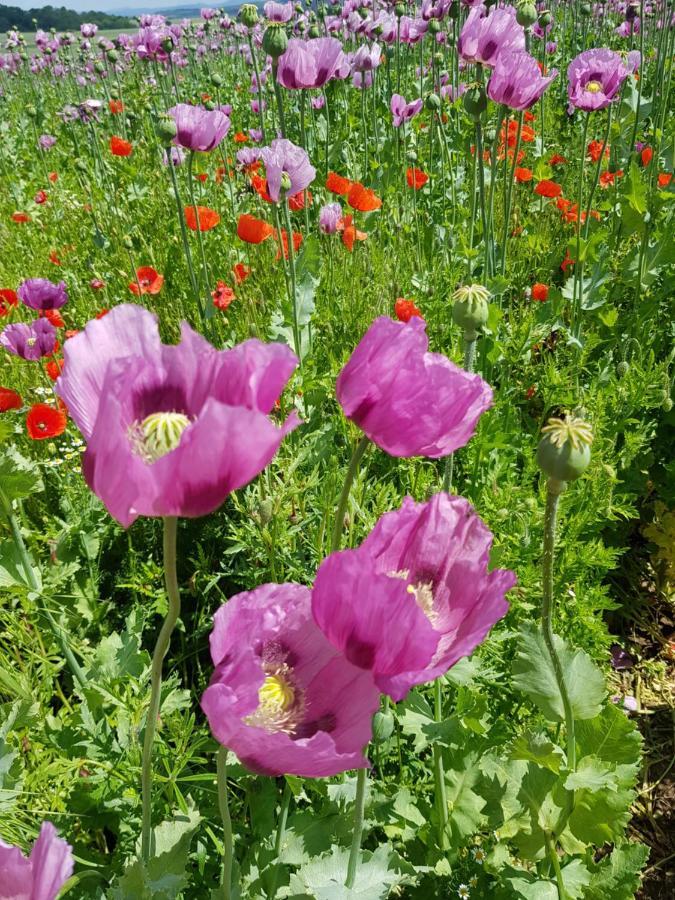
(597, 174)
(469, 359)
(223, 805)
(291, 265)
(200, 240)
(258, 85)
(553, 490)
(186, 244)
(27, 566)
(359, 807)
(359, 450)
(578, 266)
(555, 862)
(439, 772)
(509, 189)
(281, 831)
(279, 98)
(161, 647)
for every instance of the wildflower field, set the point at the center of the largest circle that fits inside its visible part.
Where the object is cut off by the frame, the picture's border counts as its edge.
(337, 491)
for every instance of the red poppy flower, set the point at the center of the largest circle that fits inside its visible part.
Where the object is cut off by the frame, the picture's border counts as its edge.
(201, 176)
(557, 160)
(54, 368)
(522, 174)
(664, 179)
(540, 292)
(405, 310)
(54, 258)
(350, 233)
(53, 316)
(115, 107)
(336, 184)
(362, 198)
(105, 311)
(9, 399)
(529, 117)
(222, 296)
(205, 98)
(120, 147)
(221, 172)
(208, 218)
(567, 263)
(563, 204)
(71, 333)
(40, 198)
(531, 391)
(20, 217)
(608, 178)
(240, 138)
(8, 299)
(259, 185)
(646, 156)
(548, 188)
(252, 230)
(96, 284)
(43, 421)
(594, 150)
(416, 178)
(297, 201)
(241, 272)
(297, 241)
(148, 281)
(53, 177)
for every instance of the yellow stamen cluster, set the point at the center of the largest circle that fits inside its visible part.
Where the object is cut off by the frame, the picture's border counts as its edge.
(159, 434)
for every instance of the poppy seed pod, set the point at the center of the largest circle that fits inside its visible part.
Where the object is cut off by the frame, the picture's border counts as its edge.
(432, 101)
(434, 26)
(248, 15)
(622, 369)
(216, 80)
(545, 18)
(399, 10)
(113, 55)
(470, 309)
(564, 452)
(475, 101)
(314, 32)
(166, 129)
(275, 40)
(383, 726)
(526, 14)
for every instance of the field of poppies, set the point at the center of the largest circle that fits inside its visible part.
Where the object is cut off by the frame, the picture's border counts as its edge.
(337, 494)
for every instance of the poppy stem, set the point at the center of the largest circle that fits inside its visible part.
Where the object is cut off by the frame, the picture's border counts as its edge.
(578, 265)
(359, 807)
(223, 805)
(261, 113)
(555, 862)
(338, 528)
(291, 265)
(200, 240)
(186, 244)
(587, 223)
(161, 647)
(509, 189)
(439, 771)
(277, 94)
(279, 840)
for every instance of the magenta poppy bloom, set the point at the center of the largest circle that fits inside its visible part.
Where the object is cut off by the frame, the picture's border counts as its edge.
(516, 80)
(278, 12)
(42, 874)
(29, 341)
(416, 596)
(41, 293)
(311, 63)
(170, 430)
(287, 167)
(281, 697)
(402, 111)
(408, 401)
(366, 59)
(595, 78)
(199, 128)
(330, 217)
(486, 35)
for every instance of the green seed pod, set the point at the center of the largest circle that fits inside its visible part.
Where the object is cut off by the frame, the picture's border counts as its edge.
(383, 726)
(526, 14)
(622, 369)
(314, 32)
(377, 30)
(216, 80)
(432, 101)
(165, 129)
(564, 452)
(209, 104)
(167, 44)
(363, 13)
(545, 18)
(128, 242)
(585, 9)
(99, 68)
(113, 55)
(667, 404)
(275, 39)
(470, 309)
(265, 511)
(475, 101)
(248, 15)
(31, 112)
(399, 10)
(434, 26)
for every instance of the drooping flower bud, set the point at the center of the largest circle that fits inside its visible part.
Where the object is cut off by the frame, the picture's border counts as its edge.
(475, 101)
(564, 452)
(470, 309)
(383, 726)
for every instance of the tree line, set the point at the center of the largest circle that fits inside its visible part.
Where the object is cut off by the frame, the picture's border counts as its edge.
(57, 17)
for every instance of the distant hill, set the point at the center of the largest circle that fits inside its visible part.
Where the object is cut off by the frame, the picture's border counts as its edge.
(57, 17)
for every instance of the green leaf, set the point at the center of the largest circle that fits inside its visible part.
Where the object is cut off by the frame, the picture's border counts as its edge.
(611, 736)
(592, 774)
(465, 806)
(19, 477)
(534, 675)
(12, 573)
(323, 878)
(617, 875)
(575, 878)
(537, 748)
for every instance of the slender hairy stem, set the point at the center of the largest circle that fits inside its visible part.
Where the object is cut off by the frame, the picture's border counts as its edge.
(186, 245)
(553, 490)
(291, 265)
(578, 265)
(200, 240)
(359, 450)
(162, 645)
(359, 806)
(469, 359)
(279, 840)
(555, 862)
(279, 98)
(509, 188)
(224, 806)
(439, 771)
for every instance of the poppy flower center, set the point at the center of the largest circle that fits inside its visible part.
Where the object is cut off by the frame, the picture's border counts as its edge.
(280, 703)
(423, 593)
(159, 434)
(31, 342)
(593, 87)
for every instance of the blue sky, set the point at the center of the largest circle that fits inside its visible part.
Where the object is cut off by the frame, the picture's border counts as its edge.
(108, 6)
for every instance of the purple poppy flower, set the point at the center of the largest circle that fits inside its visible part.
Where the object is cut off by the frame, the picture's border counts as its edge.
(41, 875)
(485, 36)
(281, 697)
(408, 401)
(199, 128)
(29, 341)
(310, 64)
(595, 78)
(318, 102)
(412, 30)
(174, 155)
(152, 414)
(287, 168)
(416, 596)
(247, 156)
(207, 13)
(255, 134)
(402, 111)
(516, 80)
(330, 217)
(366, 59)
(278, 12)
(41, 293)
(88, 29)
(47, 141)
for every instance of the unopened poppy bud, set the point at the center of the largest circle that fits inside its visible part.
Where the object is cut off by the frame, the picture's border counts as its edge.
(667, 404)
(434, 26)
(99, 68)
(127, 242)
(113, 55)
(564, 452)
(545, 18)
(216, 79)
(411, 156)
(438, 59)
(275, 39)
(399, 10)
(209, 104)
(166, 130)
(432, 101)
(377, 30)
(526, 14)
(622, 369)
(470, 309)
(31, 112)
(585, 9)
(167, 44)
(23, 56)
(475, 101)
(265, 511)
(314, 32)
(248, 15)
(363, 13)
(383, 726)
